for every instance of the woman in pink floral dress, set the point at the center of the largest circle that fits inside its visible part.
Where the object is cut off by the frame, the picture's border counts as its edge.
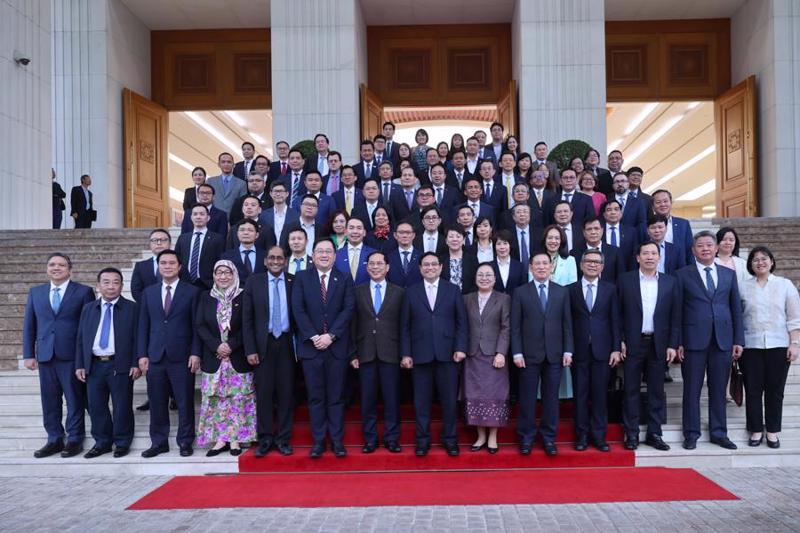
(228, 409)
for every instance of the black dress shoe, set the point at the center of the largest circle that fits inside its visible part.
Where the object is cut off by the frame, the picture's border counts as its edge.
(173, 405)
(631, 443)
(602, 446)
(263, 448)
(236, 452)
(755, 442)
(317, 450)
(213, 452)
(493, 450)
(725, 442)
(655, 441)
(187, 450)
(525, 449)
(71, 449)
(421, 451)
(369, 447)
(393, 446)
(49, 449)
(285, 449)
(452, 449)
(550, 449)
(339, 450)
(144, 407)
(154, 450)
(96, 452)
(774, 443)
(689, 443)
(474, 448)
(581, 445)
(121, 451)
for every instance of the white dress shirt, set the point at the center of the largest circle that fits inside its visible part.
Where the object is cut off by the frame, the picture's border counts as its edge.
(770, 312)
(108, 350)
(472, 164)
(311, 234)
(164, 286)
(62, 291)
(195, 231)
(669, 237)
(279, 219)
(701, 269)
(430, 241)
(431, 290)
(485, 255)
(503, 267)
(648, 286)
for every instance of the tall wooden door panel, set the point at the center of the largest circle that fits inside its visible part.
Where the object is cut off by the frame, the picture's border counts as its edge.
(371, 113)
(507, 109)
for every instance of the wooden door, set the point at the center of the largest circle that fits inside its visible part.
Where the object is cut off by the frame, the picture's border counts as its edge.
(507, 109)
(737, 163)
(371, 114)
(146, 127)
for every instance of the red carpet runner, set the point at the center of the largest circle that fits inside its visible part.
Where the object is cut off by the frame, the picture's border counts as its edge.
(581, 485)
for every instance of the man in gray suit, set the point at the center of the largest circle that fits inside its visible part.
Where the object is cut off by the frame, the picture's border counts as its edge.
(227, 187)
(540, 151)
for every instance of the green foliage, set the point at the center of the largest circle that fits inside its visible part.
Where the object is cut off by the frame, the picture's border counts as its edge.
(567, 150)
(306, 147)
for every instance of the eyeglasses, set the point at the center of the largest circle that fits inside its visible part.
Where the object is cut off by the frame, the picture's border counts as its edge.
(275, 258)
(223, 273)
(592, 262)
(761, 259)
(424, 195)
(428, 265)
(324, 252)
(156, 240)
(483, 275)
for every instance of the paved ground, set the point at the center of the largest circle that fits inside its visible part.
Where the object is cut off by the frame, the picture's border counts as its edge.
(770, 501)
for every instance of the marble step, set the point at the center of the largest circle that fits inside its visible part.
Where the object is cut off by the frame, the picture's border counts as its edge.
(708, 455)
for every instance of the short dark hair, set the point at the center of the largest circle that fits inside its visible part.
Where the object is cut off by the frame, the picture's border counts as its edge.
(109, 270)
(323, 136)
(504, 235)
(615, 152)
(201, 169)
(591, 220)
(647, 243)
(248, 143)
(334, 153)
(759, 249)
(63, 256)
(655, 218)
(213, 191)
(256, 158)
(248, 221)
(277, 183)
(168, 252)
(704, 233)
(561, 202)
(388, 123)
(538, 144)
(377, 252)
(296, 230)
(161, 230)
(493, 124)
(439, 165)
(594, 251)
(636, 169)
(429, 254)
(428, 208)
(293, 150)
(456, 229)
(280, 143)
(324, 240)
(379, 136)
(199, 205)
(312, 172)
(367, 142)
(224, 153)
(309, 195)
(662, 191)
(251, 196)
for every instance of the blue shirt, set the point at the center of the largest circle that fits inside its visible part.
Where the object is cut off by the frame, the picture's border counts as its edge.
(284, 304)
(252, 256)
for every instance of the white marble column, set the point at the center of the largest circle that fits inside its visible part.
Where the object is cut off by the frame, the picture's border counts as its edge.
(318, 60)
(99, 47)
(558, 58)
(765, 42)
(25, 116)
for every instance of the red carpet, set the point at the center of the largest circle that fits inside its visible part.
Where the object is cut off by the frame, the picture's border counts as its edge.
(383, 461)
(585, 485)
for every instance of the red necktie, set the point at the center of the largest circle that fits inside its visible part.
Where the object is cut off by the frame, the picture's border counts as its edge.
(168, 300)
(323, 293)
(283, 168)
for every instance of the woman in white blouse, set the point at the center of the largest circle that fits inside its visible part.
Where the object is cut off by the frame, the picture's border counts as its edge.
(484, 246)
(728, 253)
(772, 337)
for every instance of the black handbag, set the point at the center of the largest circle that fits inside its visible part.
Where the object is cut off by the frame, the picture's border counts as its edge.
(736, 387)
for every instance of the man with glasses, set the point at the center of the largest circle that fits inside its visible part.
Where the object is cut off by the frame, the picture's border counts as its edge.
(218, 221)
(404, 261)
(256, 185)
(424, 199)
(279, 214)
(145, 272)
(430, 239)
(307, 222)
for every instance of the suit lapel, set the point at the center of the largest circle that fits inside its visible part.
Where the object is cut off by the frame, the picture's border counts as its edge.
(637, 291)
(699, 281)
(71, 288)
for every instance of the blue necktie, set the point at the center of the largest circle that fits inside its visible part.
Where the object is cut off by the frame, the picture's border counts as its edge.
(226, 183)
(105, 329)
(194, 260)
(409, 198)
(405, 262)
(613, 236)
(589, 296)
(277, 319)
(710, 287)
(297, 265)
(523, 248)
(543, 297)
(248, 266)
(378, 300)
(56, 299)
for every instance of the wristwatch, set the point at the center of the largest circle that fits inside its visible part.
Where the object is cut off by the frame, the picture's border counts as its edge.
(332, 336)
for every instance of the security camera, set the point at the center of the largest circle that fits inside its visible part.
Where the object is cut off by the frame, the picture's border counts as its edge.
(21, 58)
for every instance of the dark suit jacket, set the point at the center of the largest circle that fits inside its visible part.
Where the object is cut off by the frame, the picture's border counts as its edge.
(673, 258)
(207, 327)
(256, 306)
(484, 210)
(499, 198)
(534, 241)
(275, 172)
(434, 334)
(384, 245)
(394, 188)
(377, 337)
(702, 314)
(517, 275)
(683, 238)
(605, 181)
(441, 246)
(268, 217)
(238, 168)
(541, 335)
(189, 197)
(218, 222)
(342, 263)
(398, 207)
(397, 275)
(598, 332)
(234, 256)
(487, 153)
(667, 315)
(613, 265)
(489, 331)
(124, 315)
(359, 169)
(291, 226)
(171, 337)
(451, 197)
(635, 212)
(627, 242)
(312, 316)
(361, 212)
(339, 200)
(58, 197)
(266, 238)
(582, 208)
(213, 247)
(452, 178)
(143, 276)
(77, 201)
(47, 335)
(236, 211)
(538, 216)
(469, 265)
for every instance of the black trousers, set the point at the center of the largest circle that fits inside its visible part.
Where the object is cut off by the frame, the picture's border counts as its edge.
(325, 376)
(633, 367)
(764, 374)
(590, 383)
(57, 383)
(445, 375)
(386, 376)
(107, 428)
(274, 380)
(549, 376)
(160, 377)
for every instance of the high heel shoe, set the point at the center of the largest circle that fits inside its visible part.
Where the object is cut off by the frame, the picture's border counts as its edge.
(476, 447)
(492, 450)
(774, 443)
(214, 452)
(755, 442)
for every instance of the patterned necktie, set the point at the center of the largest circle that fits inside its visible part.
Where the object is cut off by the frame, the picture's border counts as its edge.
(523, 248)
(543, 297)
(277, 319)
(354, 256)
(348, 201)
(323, 289)
(194, 260)
(710, 287)
(405, 262)
(295, 188)
(248, 267)
(56, 303)
(168, 300)
(589, 296)
(105, 328)
(378, 300)
(298, 265)
(283, 168)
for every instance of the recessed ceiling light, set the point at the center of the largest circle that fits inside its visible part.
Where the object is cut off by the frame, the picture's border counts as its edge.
(698, 192)
(643, 114)
(214, 132)
(683, 166)
(237, 118)
(642, 147)
(181, 162)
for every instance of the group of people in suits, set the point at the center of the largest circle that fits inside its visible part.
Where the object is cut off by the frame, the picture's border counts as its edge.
(480, 269)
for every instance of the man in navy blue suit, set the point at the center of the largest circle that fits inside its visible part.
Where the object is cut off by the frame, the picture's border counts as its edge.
(434, 340)
(247, 257)
(650, 308)
(597, 332)
(313, 186)
(367, 168)
(634, 211)
(50, 327)
(507, 177)
(445, 196)
(106, 361)
(351, 259)
(349, 194)
(679, 231)
(473, 191)
(581, 204)
(593, 240)
(493, 192)
(145, 272)
(623, 237)
(712, 333)
(322, 304)
(542, 344)
(167, 346)
(404, 261)
(670, 258)
(199, 249)
(218, 219)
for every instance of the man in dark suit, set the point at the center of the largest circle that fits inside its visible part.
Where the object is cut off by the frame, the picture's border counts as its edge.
(473, 159)
(540, 310)
(494, 150)
(255, 187)
(564, 218)
(612, 260)
(434, 340)
(525, 238)
(268, 329)
(519, 195)
(145, 272)
(242, 169)
(279, 168)
(372, 201)
(635, 176)
(446, 197)
(492, 190)
(199, 249)
(351, 259)
(190, 193)
(251, 210)
(297, 244)
(623, 237)
(322, 303)
(105, 359)
(459, 172)
(473, 191)
(279, 215)
(50, 327)
(424, 173)
(168, 345)
(670, 259)
(58, 201)
(539, 196)
(404, 261)
(580, 203)
(386, 186)
(602, 175)
(431, 238)
(634, 211)
(218, 219)
(712, 333)
(295, 177)
(349, 195)
(679, 231)
(313, 186)
(332, 181)
(392, 149)
(247, 257)
(597, 331)
(507, 177)
(540, 151)
(403, 202)
(376, 336)
(366, 168)
(319, 161)
(650, 313)
(81, 201)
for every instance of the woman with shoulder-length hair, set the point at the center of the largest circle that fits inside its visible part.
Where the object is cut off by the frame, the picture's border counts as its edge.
(771, 319)
(728, 253)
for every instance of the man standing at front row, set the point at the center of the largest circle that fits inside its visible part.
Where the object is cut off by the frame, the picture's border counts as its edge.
(106, 361)
(52, 314)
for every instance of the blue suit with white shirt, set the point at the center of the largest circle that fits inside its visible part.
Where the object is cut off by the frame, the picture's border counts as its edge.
(343, 263)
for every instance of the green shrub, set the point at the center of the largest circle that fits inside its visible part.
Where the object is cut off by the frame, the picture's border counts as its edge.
(562, 154)
(306, 148)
